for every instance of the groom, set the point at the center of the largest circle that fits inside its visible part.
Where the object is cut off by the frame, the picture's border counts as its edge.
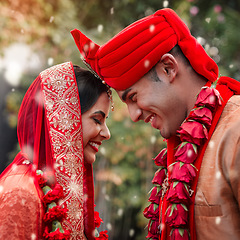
(164, 76)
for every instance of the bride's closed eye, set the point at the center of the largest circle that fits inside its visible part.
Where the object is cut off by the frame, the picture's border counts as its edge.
(96, 120)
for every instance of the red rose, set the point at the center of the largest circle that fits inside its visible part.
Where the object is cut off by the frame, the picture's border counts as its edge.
(54, 213)
(146, 213)
(183, 172)
(179, 234)
(194, 132)
(209, 97)
(159, 176)
(153, 227)
(203, 115)
(156, 194)
(177, 215)
(56, 235)
(161, 158)
(152, 237)
(103, 235)
(41, 180)
(97, 219)
(186, 152)
(178, 193)
(53, 195)
(152, 211)
(45, 178)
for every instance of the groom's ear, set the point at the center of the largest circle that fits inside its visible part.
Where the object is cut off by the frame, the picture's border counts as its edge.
(169, 65)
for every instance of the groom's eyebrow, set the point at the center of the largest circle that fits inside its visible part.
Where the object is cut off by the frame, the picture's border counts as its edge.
(124, 95)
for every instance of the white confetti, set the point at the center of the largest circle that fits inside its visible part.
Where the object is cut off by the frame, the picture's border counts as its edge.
(146, 63)
(217, 220)
(131, 232)
(218, 175)
(208, 20)
(100, 28)
(165, 4)
(151, 28)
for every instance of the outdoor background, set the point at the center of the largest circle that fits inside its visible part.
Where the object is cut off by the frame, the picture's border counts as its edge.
(35, 34)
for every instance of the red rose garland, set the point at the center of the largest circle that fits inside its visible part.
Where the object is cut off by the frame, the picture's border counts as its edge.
(97, 221)
(54, 214)
(193, 133)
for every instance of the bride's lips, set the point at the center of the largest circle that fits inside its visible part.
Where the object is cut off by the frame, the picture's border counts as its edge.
(95, 145)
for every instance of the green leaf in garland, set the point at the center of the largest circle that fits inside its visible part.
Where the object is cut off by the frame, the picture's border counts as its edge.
(55, 225)
(155, 206)
(51, 205)
(173, 207)
(160, 168)
(151, 190)
(186, 186)
(194, 147)
(184, 207)
(194, 166)
(39, 172)
(175, 184)
(181, 231)
(181, 164)
(46, 189)
(159, 188)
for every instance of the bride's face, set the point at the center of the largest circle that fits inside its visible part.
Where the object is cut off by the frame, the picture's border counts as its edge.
(94, 127)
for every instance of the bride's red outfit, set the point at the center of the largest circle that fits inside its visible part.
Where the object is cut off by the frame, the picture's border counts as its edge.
(50, 138)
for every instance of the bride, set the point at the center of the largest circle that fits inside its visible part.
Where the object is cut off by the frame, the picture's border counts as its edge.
(47, 192)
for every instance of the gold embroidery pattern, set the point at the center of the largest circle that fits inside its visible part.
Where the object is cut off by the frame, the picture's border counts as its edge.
(64, 122)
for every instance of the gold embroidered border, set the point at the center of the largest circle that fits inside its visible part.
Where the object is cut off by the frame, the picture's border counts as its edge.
(64, 122)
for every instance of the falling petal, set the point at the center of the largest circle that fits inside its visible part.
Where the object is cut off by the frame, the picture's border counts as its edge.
(217, 220)
(131, 232)
(208, 20)
(51, 19)
(151, 28)
(100, 28)
(146, 63)
(50, 61)
(112, 11)
(218, 175)
(109, 226)
(165, 4)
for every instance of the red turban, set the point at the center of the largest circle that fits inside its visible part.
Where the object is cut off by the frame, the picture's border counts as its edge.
(129, 55)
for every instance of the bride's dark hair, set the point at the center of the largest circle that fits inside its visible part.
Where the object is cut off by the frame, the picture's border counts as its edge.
(89, 88)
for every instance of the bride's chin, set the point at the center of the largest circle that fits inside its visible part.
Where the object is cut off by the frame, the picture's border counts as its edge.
(89, 158)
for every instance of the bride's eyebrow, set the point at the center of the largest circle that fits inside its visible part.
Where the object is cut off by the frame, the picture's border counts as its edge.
(100, 112)
(124, 95)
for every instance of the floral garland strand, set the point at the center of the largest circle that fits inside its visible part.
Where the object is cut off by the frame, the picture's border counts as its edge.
(193, 133)
(54, 213)
(152, 211)
(97, 222)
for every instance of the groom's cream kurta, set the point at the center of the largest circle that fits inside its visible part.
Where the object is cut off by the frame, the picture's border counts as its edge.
(217, 203)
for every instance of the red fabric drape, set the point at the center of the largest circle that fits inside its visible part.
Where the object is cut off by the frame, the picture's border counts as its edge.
(49, 144)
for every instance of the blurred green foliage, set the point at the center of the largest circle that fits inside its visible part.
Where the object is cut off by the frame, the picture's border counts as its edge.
(124, 168)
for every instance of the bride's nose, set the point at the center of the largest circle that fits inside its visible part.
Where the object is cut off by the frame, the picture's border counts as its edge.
(105, 132)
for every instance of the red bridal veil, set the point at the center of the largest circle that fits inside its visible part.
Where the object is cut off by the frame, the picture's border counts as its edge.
(50, 139)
